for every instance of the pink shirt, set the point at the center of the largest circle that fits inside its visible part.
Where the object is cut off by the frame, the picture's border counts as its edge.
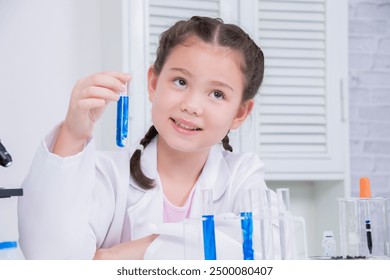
(173, 213)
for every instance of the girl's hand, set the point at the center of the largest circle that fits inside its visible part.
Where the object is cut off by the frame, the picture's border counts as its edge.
(88, 101)
(131, 250)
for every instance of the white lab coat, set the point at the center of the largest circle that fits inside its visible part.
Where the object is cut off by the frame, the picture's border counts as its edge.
(73, 205)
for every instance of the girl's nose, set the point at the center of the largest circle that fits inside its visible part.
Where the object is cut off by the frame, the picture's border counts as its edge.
(192, 105)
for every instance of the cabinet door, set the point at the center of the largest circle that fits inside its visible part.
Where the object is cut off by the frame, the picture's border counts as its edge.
(299, 126)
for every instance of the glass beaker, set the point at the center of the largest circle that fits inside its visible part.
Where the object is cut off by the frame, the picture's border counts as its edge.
(292, 229)
(363, 227)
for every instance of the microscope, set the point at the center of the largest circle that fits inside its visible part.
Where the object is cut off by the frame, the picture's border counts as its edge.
(6, 161)
(8, 248)
(5, 157)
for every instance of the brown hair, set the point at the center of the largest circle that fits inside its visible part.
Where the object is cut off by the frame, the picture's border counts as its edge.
(213, 31)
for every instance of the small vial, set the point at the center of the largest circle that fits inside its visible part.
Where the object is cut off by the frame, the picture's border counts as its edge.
(328, 244)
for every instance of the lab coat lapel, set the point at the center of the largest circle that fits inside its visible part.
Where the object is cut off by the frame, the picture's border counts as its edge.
(215, 175)
(145, 206)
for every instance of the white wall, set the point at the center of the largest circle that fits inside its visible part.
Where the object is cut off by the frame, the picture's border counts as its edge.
(369, 65)
(45, 46)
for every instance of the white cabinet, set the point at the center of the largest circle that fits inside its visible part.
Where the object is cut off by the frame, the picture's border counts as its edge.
(299, 125)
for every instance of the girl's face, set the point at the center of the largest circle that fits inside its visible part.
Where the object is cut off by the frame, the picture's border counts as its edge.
(197, 97)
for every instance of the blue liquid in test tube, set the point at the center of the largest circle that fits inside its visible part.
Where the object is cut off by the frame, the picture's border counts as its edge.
(247, 225)
(247, 235)
(122, 119)
(209, 246)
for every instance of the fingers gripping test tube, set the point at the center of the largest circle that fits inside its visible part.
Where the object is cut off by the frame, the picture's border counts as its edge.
(122, 118)
(209, 246)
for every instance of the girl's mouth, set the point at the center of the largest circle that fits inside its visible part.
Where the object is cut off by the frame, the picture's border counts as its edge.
(186, 126)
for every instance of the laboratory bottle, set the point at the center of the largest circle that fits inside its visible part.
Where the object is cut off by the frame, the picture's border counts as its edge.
(328, 244)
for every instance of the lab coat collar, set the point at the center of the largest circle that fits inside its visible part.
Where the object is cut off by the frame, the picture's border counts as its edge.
(145, 207)
(215, 174)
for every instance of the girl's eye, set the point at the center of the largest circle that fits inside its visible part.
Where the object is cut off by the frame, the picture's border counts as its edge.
(180, 82)
(218, 95)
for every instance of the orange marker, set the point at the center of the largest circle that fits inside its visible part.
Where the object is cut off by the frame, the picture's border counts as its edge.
(365, 190)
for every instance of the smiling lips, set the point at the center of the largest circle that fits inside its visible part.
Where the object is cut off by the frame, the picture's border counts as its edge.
(186, 125)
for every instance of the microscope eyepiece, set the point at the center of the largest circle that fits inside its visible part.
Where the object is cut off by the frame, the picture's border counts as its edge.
(5, 157)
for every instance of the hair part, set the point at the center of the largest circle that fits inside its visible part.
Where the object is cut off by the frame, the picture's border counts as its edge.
(213, 31)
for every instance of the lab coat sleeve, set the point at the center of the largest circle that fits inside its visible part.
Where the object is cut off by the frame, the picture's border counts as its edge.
(55, 211)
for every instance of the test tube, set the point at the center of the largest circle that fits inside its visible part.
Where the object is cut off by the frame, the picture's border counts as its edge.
(283, 195)
(349, 227)
(266, 227)
(122, 118)
(247, 225)
(209, 246)
(285, 222)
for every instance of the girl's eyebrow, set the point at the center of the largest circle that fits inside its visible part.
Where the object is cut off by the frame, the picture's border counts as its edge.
(221, 84)
(184, 71)
(215, 83)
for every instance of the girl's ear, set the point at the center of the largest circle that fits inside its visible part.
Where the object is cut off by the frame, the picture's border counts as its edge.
(152, 83)
(243, 112)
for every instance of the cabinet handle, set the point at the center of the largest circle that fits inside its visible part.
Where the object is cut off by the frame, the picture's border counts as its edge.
(343, 102)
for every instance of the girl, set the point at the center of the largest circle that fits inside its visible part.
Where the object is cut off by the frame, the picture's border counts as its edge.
(80, 203)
